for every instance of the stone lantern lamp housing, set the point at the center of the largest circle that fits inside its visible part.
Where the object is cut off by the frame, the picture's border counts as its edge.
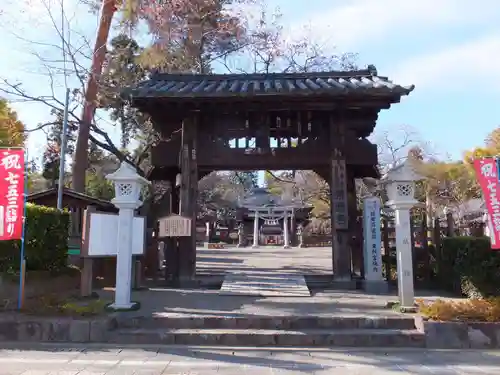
(128, 184)
(400, 184)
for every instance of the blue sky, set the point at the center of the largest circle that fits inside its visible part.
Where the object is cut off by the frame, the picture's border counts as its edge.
(450, 49)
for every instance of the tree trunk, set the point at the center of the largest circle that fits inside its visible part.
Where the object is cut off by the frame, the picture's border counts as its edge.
(89, 106)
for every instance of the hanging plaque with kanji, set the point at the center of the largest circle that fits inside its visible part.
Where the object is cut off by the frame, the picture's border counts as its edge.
(174, 226)
(339, 195)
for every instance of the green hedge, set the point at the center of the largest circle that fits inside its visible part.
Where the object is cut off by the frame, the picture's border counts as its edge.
(46, 242)
(468, 265)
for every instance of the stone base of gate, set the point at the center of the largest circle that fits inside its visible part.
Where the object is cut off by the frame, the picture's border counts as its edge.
(375, 287)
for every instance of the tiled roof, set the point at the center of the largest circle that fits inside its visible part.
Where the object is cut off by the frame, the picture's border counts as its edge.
(70, 193)
(334, 83)
(260, 197)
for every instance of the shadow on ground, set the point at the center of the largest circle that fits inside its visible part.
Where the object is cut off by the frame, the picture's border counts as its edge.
(302, 359)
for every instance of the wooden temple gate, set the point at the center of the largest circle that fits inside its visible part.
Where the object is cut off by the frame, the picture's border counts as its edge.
(307, 121)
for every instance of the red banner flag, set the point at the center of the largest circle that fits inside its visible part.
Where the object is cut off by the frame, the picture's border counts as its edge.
(487, 177)
(11, 194)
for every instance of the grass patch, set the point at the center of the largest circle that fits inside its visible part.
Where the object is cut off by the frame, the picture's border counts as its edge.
(135, 307)
(50, 294)
(50, 305)
(396, 306)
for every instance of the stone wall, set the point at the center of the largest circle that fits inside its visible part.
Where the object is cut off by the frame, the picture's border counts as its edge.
(459, 335)
(36, 329)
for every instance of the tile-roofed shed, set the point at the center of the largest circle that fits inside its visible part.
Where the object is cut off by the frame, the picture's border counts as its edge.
(185, 87)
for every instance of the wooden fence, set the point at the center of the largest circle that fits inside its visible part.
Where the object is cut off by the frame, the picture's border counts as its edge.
(426, 244)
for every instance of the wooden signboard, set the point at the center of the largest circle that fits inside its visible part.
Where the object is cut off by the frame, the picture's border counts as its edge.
(174, 226)
(339, 194)
(102, 244)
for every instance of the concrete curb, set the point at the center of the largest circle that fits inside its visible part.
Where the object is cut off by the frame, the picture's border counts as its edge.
(459, 335)
(55, 329)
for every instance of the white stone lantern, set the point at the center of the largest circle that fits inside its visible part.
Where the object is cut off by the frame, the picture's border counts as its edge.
(128, 186)
(400, 186)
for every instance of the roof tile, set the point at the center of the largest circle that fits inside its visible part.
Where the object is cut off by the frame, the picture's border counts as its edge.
(280, 84)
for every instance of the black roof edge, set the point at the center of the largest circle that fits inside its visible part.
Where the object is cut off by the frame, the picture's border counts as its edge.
(371, 70)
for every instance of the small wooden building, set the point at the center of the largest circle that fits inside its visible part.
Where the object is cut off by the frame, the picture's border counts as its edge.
(75, 203)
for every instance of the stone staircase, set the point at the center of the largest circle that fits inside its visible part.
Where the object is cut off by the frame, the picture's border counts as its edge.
(284, 331)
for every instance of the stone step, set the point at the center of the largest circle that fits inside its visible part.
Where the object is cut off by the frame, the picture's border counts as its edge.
(280, 338)
(257, 322)
(261, 285)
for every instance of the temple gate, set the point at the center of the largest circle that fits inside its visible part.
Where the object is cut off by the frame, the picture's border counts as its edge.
(307, 121)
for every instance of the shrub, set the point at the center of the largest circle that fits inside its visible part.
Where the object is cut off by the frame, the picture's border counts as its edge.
(55, 304)
(468, 265)
(473, 310)
(46, 242)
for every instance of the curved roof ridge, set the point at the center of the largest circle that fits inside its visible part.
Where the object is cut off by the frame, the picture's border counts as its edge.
(369, 72)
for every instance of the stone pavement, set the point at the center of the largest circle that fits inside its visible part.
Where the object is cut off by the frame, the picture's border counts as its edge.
(265, 285)
(94, 360)
(265, 259)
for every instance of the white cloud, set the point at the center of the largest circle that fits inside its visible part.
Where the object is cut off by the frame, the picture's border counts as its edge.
(358, 22)
(462, 66)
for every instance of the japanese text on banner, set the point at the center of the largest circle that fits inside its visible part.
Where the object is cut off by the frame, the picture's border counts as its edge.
(11, 193)
(487, 177)
(372, 241)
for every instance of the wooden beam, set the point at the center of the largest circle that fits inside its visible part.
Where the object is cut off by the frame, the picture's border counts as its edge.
(181, 106)
(187, 163)
(309, 155)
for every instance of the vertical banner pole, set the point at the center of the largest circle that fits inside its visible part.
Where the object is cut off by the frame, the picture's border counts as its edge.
(62, 156)
(22, 266)
(487, 177)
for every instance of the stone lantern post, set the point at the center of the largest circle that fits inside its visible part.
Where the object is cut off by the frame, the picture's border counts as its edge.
(256, 229)
(128, 185)
(400, 187)
(300, 235)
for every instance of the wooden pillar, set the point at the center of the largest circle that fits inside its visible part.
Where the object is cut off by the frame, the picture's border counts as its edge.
(188, 190)
(437, 240)
(413, 248)
(387, 249)
(87, 274)
(450, 225)
(193, 192)
(170, 251)
(339, 204)
(175, 197)
(425, 248)
(355, 231)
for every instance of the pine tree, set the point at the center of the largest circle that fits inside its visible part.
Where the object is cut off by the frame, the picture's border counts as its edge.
(52, 153)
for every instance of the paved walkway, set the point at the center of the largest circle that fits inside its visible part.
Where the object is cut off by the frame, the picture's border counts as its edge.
(261, 263)
(198, 302)
(109, 360)
(264, 285)
(265, 259)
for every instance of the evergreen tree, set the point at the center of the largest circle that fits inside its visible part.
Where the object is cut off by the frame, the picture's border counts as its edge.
(52, 154)
(248, 180)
